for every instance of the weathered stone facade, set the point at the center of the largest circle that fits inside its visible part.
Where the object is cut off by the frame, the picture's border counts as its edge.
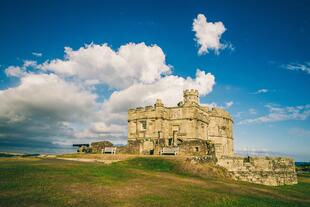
(188, 126)
(195, 130)
(262, 170)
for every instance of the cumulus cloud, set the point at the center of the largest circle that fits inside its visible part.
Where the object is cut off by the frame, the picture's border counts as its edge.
(169, 89)
(43, 106)
(19, 71)
(59, 101)
(277, 113)
(14, 71)
(130, 64)
(298, 67)
(208, 35)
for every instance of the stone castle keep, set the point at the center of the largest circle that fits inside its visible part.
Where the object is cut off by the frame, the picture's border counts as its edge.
(190, 129)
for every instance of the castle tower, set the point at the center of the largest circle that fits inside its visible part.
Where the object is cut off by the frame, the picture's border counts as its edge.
(159, 103)
(191, 96)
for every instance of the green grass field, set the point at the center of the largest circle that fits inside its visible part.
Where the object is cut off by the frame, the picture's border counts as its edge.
(134, 182)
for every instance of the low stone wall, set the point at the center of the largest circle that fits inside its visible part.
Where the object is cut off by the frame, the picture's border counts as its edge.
(272, 171)
(97, 147)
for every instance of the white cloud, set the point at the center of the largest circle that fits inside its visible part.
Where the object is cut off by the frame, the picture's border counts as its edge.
(14, 71)
(229, 104)
(298, 67)
(169, 89)
(131, 63)
(19, 71)
(48, 93)
(44, 106)
(29, 63)
(250, 111)
(37, 54)
(208, 35)
(61, 100)
(277, 113)
(260, 91)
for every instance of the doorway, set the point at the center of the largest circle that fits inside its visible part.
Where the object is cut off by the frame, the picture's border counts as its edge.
(170, 141)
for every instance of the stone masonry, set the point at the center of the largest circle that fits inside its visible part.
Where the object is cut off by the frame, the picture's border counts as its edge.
(261, 170)
(189, 127)
(192, 129)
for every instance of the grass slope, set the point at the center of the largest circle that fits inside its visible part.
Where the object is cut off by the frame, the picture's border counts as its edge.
(134, 182)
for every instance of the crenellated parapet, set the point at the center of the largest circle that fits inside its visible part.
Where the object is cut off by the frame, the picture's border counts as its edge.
(193, 129)
(191, 96)
(221, 113)
(186, 122)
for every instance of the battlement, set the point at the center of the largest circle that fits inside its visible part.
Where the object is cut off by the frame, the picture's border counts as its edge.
(159, 103)
(220, 112)
(191, 96)
(201, 130)
(191, 92)
(146, 108)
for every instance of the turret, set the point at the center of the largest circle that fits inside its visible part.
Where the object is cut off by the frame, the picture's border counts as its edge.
(159, 103)
(191, 96)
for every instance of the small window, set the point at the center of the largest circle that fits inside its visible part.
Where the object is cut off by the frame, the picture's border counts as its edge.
(196, 149)
(143, 125)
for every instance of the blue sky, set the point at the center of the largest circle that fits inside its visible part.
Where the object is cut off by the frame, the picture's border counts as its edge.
(265, 74)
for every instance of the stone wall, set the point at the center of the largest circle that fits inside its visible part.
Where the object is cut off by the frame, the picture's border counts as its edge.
(220, 131)
(198, 130)
(186, 122)
(181, 124)
(196, 147)
(272, 171)
(134, 146)
(97, 147)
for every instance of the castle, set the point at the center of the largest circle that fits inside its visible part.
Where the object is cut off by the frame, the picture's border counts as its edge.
(191, 129)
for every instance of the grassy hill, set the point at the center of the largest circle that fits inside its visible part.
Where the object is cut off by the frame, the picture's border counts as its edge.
(132, 182)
